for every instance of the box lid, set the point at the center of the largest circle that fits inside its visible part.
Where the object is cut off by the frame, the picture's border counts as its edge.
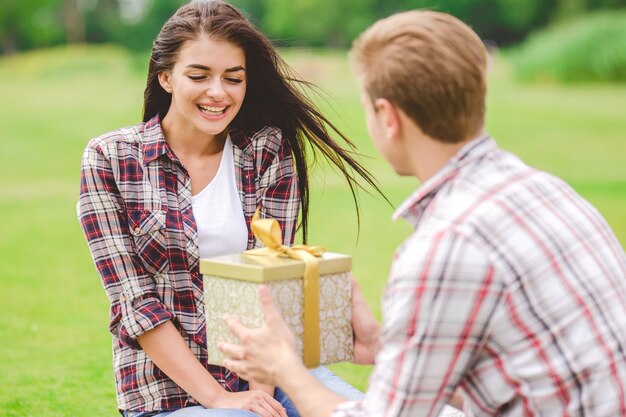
(257, 268)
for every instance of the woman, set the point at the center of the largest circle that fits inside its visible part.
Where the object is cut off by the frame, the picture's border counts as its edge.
(225, 130)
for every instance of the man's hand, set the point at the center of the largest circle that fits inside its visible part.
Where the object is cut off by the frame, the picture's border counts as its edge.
(366, 328)
(266, 354)
(253, 385)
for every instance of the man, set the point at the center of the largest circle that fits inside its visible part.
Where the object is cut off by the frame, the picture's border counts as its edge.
(512, 288)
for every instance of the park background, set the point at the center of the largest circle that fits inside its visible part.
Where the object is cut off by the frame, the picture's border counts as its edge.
(73, 69)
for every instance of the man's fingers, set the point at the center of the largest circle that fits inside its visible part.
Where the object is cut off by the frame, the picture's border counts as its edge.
(236, 328)
(231, 350)
(269, 308)
(236, 367)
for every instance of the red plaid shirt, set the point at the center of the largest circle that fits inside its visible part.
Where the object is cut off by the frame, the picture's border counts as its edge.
(135, 210)
(512, 287)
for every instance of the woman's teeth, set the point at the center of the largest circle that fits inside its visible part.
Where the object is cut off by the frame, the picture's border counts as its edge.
(212, 110)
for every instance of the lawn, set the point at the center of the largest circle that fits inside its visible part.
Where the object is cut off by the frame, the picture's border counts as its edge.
(55, 355)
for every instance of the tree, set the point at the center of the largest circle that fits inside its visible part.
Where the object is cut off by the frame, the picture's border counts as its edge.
(74, 22)
(26, 24)
(136, 33)
(311, 22)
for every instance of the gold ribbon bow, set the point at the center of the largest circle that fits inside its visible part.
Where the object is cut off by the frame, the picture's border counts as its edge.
(268, 231)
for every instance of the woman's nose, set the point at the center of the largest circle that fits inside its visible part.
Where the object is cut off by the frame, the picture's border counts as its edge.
(215, 89)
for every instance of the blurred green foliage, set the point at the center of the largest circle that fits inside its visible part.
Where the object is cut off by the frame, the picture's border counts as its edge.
(589, 50)
(27, 24)
(336, 23)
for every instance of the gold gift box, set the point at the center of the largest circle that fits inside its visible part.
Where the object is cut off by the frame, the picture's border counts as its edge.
(231, 286)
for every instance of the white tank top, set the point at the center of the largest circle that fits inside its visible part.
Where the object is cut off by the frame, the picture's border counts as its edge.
(218, 212)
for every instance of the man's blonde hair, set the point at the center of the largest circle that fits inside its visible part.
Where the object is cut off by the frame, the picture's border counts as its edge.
(429, 64)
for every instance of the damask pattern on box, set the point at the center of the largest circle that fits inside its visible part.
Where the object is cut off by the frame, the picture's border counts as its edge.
(240, 298)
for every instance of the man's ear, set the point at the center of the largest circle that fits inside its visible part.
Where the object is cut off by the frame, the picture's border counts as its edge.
(388, 112)
(165, 81)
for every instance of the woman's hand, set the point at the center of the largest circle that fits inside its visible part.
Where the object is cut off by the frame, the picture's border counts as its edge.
(167, 349)
(256, 400)
(266, 354)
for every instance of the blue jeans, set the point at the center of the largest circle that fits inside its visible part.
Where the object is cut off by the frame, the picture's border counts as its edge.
(326, 377)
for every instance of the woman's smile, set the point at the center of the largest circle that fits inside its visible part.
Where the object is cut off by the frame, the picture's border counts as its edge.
(213, 111)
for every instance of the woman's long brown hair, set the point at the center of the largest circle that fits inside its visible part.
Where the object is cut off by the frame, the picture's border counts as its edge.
(274, 96)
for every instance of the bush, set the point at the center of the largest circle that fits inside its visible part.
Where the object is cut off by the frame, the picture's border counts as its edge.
(589, 49)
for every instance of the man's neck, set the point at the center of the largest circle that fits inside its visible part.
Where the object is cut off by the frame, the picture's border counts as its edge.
(428, 156)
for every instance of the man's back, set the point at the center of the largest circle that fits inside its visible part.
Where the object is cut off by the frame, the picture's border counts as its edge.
(518, 284)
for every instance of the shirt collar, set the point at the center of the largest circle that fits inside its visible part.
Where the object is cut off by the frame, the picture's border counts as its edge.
(413, 207)
(238, 138)
(153, 143)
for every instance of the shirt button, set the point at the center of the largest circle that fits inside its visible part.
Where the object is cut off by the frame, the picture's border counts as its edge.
(137, 230)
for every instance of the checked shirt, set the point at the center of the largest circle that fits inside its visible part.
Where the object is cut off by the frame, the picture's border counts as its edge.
(511, 287)
(135, 211)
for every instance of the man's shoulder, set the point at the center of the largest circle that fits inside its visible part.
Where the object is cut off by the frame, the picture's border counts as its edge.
(518, 215)
(493, 189)
(487, 206)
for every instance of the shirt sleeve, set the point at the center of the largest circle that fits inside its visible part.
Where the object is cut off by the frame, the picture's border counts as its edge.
(278, 193)
(135, 306)
(442, 294)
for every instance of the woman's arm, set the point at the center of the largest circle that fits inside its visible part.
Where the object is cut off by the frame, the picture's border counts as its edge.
(132, 291)
(168, 350)
(139, 319)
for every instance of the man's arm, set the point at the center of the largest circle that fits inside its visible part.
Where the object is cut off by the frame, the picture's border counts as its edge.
(437, 307)
(268, 389)
(442, 294)
(268, 355)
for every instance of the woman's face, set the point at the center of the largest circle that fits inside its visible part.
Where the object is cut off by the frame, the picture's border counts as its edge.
(208, 86)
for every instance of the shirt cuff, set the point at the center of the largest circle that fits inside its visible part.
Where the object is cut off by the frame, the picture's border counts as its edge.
(140, 315)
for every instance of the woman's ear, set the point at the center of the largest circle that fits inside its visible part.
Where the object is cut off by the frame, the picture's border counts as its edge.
(165, 81)
(388, 112)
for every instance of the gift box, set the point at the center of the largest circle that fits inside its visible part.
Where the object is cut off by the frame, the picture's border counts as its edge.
(317, 309)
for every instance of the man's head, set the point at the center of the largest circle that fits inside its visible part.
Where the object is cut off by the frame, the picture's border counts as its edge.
(429, 65)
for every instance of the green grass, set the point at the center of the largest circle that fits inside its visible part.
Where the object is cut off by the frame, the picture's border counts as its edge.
(55, 355)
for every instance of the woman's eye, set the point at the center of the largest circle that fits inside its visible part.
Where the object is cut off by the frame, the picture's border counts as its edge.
(196, 77)
(234, 80)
